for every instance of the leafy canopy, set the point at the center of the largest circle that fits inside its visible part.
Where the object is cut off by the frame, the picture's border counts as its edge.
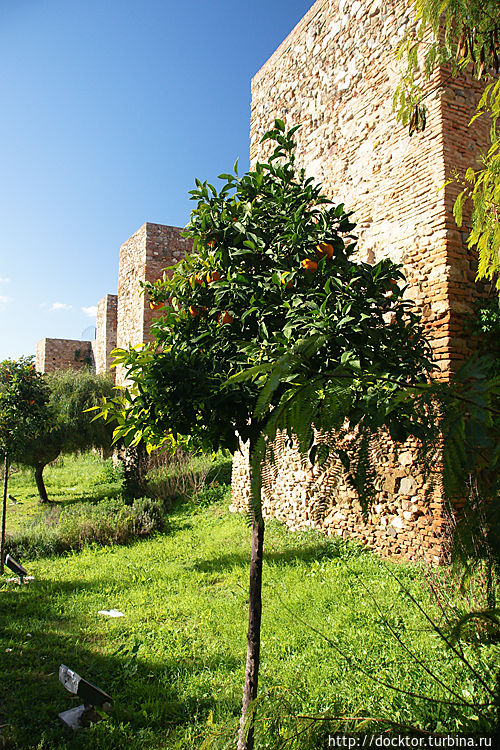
(272, 268)
(464, 36)
(68, 427)
(23, 405)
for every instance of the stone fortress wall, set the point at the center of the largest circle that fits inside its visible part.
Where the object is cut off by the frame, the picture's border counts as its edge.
(143, 257)
(63, 354)
(335, 74)
(105, 339)
(123, 319)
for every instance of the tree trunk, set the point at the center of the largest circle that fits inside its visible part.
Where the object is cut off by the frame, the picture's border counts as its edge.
(42, 492)
(4, 511)
(134, 461)
(246, 732)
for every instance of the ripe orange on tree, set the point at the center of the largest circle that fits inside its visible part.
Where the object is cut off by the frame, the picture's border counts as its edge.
(225, 317)
(324, 248)
(309, 265)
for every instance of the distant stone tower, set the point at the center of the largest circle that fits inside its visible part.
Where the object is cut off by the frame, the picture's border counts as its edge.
(63, 354)
(124, 319)
(143, 257)
(335, 75)
(105, 339)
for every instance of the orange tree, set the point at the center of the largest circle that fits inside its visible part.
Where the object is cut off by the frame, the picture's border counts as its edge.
(68, 428)
(272, 266)
(23, 413)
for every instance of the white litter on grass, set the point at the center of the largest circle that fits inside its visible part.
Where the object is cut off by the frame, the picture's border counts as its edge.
(111, 613)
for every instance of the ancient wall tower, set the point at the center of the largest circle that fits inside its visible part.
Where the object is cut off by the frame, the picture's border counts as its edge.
(124, 319)
(143, 257)
(335, 75)
(105, 340)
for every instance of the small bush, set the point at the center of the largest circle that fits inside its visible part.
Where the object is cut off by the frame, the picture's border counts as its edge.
(34, 540)
(107, 522)
(149, 516)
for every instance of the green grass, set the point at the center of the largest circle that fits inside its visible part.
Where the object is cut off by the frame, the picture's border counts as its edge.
(69, 480)
(174, 664)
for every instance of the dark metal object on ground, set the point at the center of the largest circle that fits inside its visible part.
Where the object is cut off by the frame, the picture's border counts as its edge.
(85, 714)
(16, 567)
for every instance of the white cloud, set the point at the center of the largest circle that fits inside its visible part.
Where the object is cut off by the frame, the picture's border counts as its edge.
(4, 280)
(90, 311)
(59, 306)
(4, 300)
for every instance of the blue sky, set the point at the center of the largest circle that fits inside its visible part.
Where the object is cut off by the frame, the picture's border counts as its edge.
(109, 110)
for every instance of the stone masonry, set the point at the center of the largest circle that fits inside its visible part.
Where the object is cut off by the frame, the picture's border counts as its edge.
(124, 319)
(63, 354)
(335, 75)
(105, 340)
(143, 257)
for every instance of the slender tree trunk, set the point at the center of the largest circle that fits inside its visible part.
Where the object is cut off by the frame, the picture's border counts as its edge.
(246, 732)
(4, 511)
(42, 492)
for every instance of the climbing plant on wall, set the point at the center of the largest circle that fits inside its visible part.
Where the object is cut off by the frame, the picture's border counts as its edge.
(464, 36)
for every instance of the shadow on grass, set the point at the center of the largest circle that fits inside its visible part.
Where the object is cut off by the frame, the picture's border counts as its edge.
(36, 636)
(287, 557)
(221, 472)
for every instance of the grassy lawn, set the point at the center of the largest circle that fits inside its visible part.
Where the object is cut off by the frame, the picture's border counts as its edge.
(68, 480)
(174, 663)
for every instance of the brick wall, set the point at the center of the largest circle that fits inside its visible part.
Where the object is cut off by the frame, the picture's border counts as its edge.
(63, 354)
(105, 340)
(335, 75)
(407, 518)
(143, 257)
(123, 319)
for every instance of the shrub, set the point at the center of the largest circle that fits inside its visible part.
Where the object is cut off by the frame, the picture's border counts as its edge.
(107, 522)
(149, 516)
